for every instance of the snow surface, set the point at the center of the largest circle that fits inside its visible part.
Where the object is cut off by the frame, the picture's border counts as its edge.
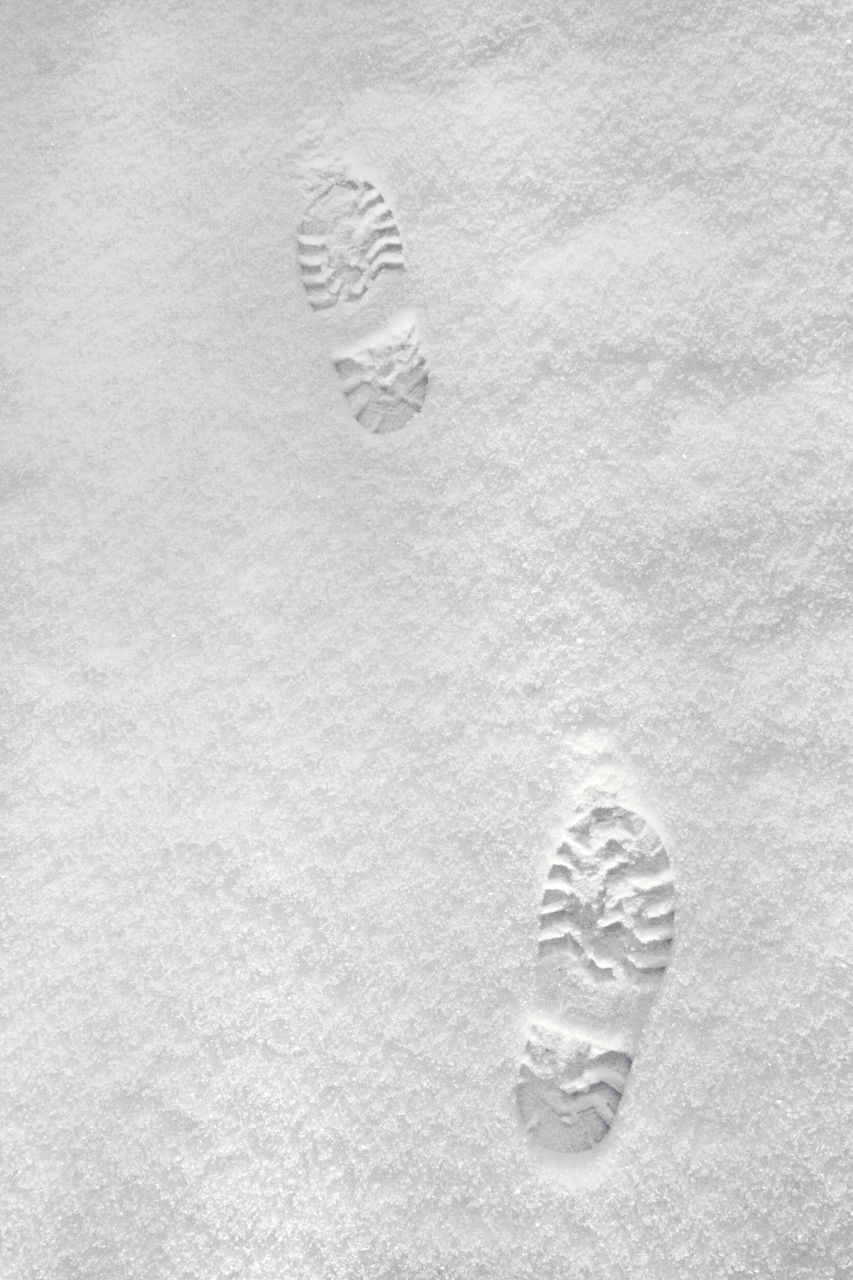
(293, 714)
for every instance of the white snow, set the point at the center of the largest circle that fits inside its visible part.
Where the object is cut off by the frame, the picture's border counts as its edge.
(294, 715)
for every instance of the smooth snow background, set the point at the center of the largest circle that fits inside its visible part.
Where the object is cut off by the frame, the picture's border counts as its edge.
(293, 716)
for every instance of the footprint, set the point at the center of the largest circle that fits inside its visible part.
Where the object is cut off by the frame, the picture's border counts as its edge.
(348, 237)
(606, 929)
(385, 379)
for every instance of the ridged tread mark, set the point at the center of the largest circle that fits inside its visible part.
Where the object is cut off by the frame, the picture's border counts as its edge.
(608, 899)
(346, 238)
(385, 381)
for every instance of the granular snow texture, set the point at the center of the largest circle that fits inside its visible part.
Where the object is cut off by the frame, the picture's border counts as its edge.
(294, 713)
